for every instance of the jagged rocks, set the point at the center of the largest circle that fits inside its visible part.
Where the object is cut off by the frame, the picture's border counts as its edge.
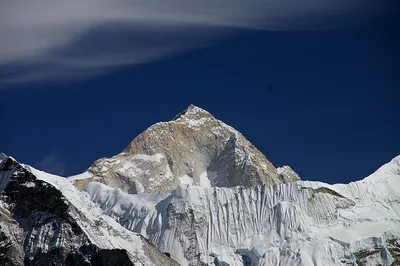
(393, 247)
(194, 148)
(92, 255)
(298, 223)
(10, 254)
(39, 226)
(40, 210)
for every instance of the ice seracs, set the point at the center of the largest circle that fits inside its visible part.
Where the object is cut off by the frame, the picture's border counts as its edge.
(298, 223)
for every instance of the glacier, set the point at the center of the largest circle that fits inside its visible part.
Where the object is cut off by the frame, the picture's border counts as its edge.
(299, 223)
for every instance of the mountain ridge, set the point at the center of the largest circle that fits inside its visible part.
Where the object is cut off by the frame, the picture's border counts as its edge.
(312, 223)
(194, 191)
(290, 216)
(44, 220)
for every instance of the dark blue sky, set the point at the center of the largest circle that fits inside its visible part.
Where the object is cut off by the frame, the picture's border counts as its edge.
(325, 103)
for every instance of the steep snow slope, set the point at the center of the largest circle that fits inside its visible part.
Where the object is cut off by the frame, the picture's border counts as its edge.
(194, 148)
(301, 223)
(45, 214)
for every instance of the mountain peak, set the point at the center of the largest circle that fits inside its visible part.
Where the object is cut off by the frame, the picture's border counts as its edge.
(194, 148)
(193, 112)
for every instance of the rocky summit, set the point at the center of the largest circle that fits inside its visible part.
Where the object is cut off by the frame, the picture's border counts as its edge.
(194, 191)
(194, 148)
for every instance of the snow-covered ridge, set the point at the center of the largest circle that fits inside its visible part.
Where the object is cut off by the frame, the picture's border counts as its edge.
(301, 223)
(99, 229)
(383, 185)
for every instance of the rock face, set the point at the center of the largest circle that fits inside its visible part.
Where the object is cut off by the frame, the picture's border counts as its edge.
(39, 211)
(40, 226)
(194, 148)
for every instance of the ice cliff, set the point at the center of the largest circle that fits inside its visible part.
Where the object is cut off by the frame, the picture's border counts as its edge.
(300, 223)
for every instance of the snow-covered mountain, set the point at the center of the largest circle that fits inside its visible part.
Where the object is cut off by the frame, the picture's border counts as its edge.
(45, 220)
(299, 223)
(194, 191)
(194, 148)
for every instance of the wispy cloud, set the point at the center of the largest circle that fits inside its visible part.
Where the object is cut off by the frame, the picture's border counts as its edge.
(48, 39)
(52, 163)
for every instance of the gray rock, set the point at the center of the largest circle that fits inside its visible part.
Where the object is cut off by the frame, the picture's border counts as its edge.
(37, 226)
(193, 148)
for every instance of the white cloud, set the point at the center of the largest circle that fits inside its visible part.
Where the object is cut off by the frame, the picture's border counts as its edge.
(62, 39)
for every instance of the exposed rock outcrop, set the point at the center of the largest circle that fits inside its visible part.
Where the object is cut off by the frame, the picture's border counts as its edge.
(39, 226)
(193, 148)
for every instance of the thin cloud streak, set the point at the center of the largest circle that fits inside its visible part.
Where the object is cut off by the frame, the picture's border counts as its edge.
(49, 39)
